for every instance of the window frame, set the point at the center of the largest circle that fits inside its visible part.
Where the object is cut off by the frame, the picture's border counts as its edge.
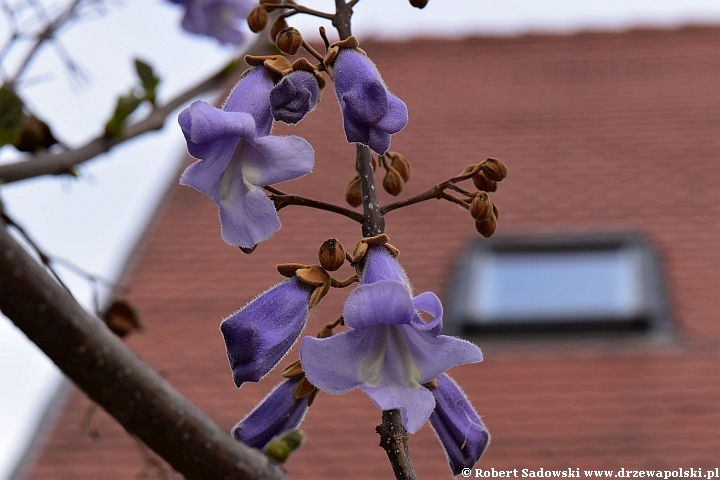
(652, 316)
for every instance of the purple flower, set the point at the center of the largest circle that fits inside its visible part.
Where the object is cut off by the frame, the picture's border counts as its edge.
(370, 112)
(459, 428)
(390, 351)
(294, 96)
(259, 335)
(237, 156)
(220, 19)
(278, 413)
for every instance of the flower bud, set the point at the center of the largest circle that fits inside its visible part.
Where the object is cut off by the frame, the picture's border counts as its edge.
(331, 255)
(393, 182)
(483, 183)
(353, 195)
(494, 169)
(280, 24)
(481, 207)
(257, 19)
(418, 3)
(288, 40)
(121, 318)
(401, 164)
(487, 227)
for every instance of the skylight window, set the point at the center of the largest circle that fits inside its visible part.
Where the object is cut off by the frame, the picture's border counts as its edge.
(558, 284)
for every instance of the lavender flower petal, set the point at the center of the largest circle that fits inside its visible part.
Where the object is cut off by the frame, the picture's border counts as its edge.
(415, 404)
(279, 412)
(371, 114)
(294, 96)
(261, 333)
(220, 19)
(237, 157)
(459, 428)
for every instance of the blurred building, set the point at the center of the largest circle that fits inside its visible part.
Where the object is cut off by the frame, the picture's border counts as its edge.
(609, 138)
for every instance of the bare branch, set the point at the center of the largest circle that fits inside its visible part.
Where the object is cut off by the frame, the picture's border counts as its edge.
(100, 364)
(282, 200)
(46, 163)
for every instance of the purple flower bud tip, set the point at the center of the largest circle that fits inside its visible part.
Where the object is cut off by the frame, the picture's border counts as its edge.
(259, 335)
(459, 428)
(371, 114)
(279, 412)
(220, 19)
(294, 96)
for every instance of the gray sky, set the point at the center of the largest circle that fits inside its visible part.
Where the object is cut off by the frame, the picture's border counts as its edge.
(94, 221)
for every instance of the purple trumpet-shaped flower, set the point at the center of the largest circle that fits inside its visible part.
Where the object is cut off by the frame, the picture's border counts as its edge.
(220, 19)
(259, 335)
(294, 96)
(390, 351)
(371, 114)
(238, 156)
(459, 428)
(278, 413)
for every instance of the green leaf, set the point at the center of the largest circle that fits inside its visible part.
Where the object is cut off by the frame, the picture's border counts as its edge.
(280, 447)
(11, 115)
(148, 79)
(125, 106)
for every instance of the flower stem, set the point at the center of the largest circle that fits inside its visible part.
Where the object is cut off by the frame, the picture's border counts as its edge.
(393, 436)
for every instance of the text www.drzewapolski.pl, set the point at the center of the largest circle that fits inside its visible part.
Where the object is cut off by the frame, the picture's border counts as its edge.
(707, 474)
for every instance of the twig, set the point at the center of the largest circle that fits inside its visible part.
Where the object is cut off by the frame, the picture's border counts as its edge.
(46, 163)
(48, 32)
(436, 192)
(282, 200)
(116, 379)
(394, 438)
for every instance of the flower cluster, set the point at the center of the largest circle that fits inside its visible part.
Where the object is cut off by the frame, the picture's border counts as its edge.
(389, 351)
(391, 347)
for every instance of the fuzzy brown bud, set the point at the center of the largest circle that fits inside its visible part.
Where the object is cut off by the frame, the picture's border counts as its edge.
(353, 195)
(481, 207)
(401, 164)
(393, 182)
(494, 169)
(487, 227)
(257, 19)
(279, 25)
(331, 254)
(419, 3)
(121, 318)
(483, 183)
(288, 40)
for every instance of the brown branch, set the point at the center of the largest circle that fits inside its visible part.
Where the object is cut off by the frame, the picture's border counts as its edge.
(394, 438)
(282, 200)
(109, 373)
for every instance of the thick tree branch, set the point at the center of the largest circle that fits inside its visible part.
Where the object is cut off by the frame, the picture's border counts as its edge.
(101, 365)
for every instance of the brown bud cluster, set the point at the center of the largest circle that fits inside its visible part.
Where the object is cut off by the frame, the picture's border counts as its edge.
(353, 194)
(257, 19)
(331, 254)
(419, 3)
(487, 224)
(401, 164)
(397, 172)
(289, 40)
(485, 177)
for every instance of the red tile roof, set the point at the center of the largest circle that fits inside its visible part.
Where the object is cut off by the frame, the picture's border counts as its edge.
(600, 131)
